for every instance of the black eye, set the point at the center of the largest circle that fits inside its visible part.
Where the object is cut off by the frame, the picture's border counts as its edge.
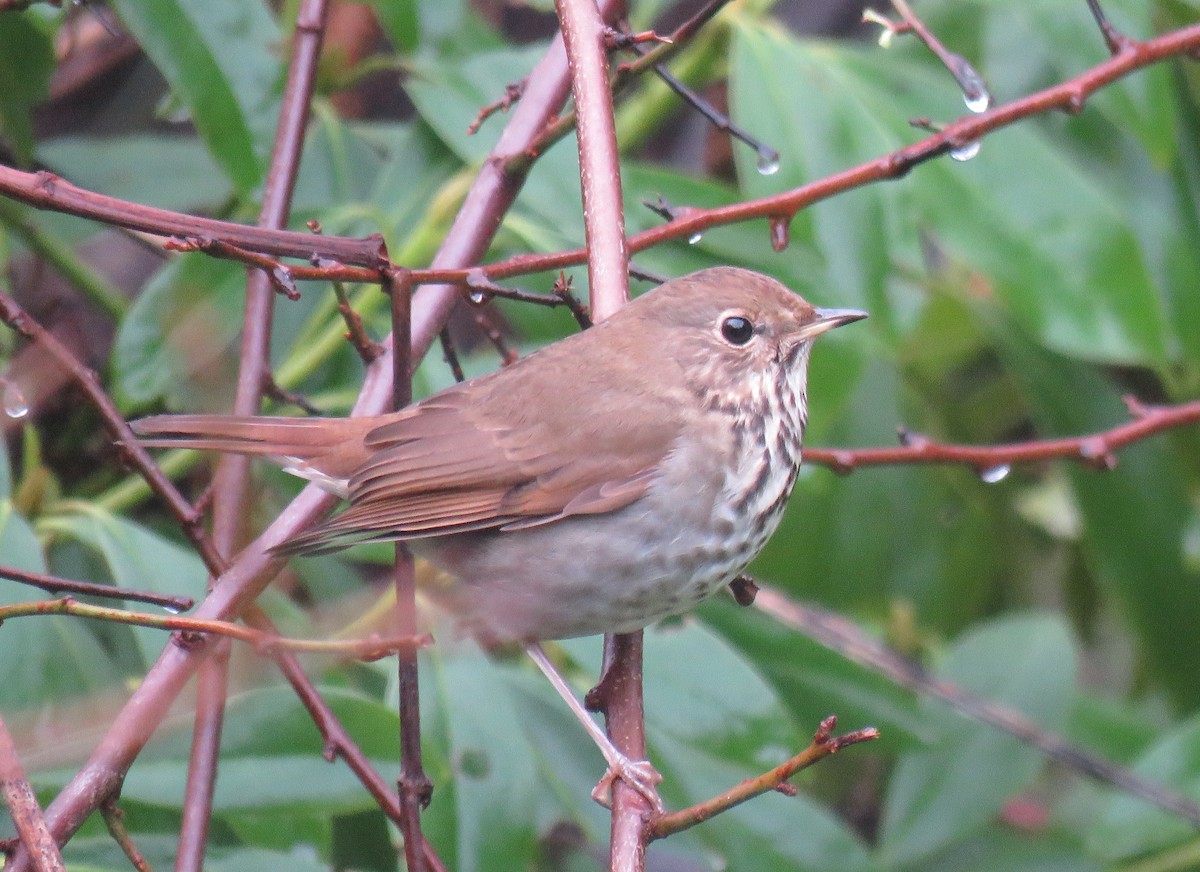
(737, 330)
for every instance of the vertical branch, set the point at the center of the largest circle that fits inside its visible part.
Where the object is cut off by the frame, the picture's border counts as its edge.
(624, 715)
(17, 793)
(231, 482)
(599, 162)
(414, 786)
(608, 277)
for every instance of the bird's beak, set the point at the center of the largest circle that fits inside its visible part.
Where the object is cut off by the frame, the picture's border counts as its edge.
(827, 319)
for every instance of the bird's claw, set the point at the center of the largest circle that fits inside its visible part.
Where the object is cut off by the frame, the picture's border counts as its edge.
(638, 774)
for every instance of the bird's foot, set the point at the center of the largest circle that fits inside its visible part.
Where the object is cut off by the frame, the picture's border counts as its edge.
(638, 774)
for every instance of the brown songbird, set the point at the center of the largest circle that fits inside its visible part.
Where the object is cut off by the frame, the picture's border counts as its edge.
(608, 480)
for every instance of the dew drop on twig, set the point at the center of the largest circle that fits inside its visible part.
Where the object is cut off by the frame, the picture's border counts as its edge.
(978, 102)
(995, 474)
(477, 298)
(975, 90)
(965, 152)
(768, 161)
(14, 402)
(695, 238)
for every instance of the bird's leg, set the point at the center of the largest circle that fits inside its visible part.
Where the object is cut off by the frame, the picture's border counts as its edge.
(639, 774)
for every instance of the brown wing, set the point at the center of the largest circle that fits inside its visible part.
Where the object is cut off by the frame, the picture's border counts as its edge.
(475, 457)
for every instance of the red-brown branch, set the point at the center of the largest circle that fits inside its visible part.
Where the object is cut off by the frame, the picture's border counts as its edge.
(823, 744)
(16, 791)
(55, 584)
(608, 285)
(1097, 449)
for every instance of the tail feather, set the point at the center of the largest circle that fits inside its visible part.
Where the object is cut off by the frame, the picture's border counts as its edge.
(328, 444)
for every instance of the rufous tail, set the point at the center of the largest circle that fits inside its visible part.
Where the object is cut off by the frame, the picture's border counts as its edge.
(328, 443)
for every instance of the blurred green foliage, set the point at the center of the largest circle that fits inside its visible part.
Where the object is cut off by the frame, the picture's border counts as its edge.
(1019, 294)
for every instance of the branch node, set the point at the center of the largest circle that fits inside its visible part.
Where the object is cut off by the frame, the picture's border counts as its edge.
(562, 290)
(1137, 409)
(781, 232)
(1094, 451)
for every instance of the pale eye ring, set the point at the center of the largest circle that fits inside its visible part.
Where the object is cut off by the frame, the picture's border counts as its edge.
(737, 330)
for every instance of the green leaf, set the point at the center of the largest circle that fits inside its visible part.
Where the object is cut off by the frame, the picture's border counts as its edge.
(481, 736)
(1128, 826)
(6, 481)
(276, 783)
(42, 658)
(136, 558)
(813, 681)
(945, 791)
(1001, 849)
(217, 57)
(399, 20)
(26, 62)
(182, 325)
(1134, 517)
(170, 172)
(449, 94)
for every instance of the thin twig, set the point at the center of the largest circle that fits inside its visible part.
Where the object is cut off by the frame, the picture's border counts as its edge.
(55, 584)
(562, 290)
(114, 821)
(450, 355)
(823, 744)
(272, 390)
(975, 90)
(1069, 96)
(768, 158)
(193, 630)
(414, 785)
(368, 349)
(480, 289)
(512, 93)
(488, 328)
(1097, 450)
(1116, 41)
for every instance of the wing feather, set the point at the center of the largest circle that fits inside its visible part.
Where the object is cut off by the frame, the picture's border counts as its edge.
(547, 447)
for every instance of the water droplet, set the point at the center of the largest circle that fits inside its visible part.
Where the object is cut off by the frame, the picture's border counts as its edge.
(695, 237)
(477, 297)
(781, 229)
(171, 610)
(978, 102)
(975, 90)
(15, 404)
(995, 474)
(768, 161)
(965, 152)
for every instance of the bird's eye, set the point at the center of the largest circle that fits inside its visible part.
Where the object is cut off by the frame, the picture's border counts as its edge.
(737, 330)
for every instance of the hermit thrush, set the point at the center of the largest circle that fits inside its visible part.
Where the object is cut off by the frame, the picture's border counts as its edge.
(608, 480)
